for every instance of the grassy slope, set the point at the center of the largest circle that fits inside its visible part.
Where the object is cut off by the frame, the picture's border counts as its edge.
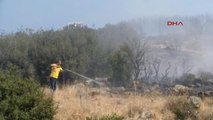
(78, 102)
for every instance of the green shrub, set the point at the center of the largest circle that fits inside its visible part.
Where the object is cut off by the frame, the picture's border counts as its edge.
(23, 99)
(107, 117)
(182, 108)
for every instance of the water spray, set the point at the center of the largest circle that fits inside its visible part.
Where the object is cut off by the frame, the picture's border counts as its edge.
(89, 80)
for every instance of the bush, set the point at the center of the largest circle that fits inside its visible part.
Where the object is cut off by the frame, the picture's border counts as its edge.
(186, 79)
(181, 107)
(107, 117)
(23, 99)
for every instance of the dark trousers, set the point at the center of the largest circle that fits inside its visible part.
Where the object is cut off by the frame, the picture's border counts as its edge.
(53, 83)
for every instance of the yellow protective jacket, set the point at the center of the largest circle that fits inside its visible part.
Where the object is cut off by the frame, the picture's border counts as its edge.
(55, 70)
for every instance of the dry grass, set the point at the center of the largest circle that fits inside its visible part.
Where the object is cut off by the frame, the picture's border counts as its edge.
(206, 109)
(78, 102)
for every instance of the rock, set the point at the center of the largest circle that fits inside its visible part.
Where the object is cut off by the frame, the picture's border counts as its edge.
(196, 101)
(205, 94)
(147, 115)
(181, 89)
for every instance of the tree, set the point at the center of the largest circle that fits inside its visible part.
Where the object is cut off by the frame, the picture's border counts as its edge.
(121, 69)
(136, 52)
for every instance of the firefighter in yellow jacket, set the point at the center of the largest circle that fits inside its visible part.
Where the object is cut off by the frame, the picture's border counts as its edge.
(55, 70)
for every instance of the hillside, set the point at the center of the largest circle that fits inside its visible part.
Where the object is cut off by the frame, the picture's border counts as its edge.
(77, 102)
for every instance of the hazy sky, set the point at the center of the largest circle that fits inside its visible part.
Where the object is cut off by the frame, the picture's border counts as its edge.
(46, 14)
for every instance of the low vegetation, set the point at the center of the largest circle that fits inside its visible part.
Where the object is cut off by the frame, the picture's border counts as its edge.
(77, 103)
(181, 107)
(23, 99)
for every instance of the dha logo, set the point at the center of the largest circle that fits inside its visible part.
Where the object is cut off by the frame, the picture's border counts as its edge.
(174, 23)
